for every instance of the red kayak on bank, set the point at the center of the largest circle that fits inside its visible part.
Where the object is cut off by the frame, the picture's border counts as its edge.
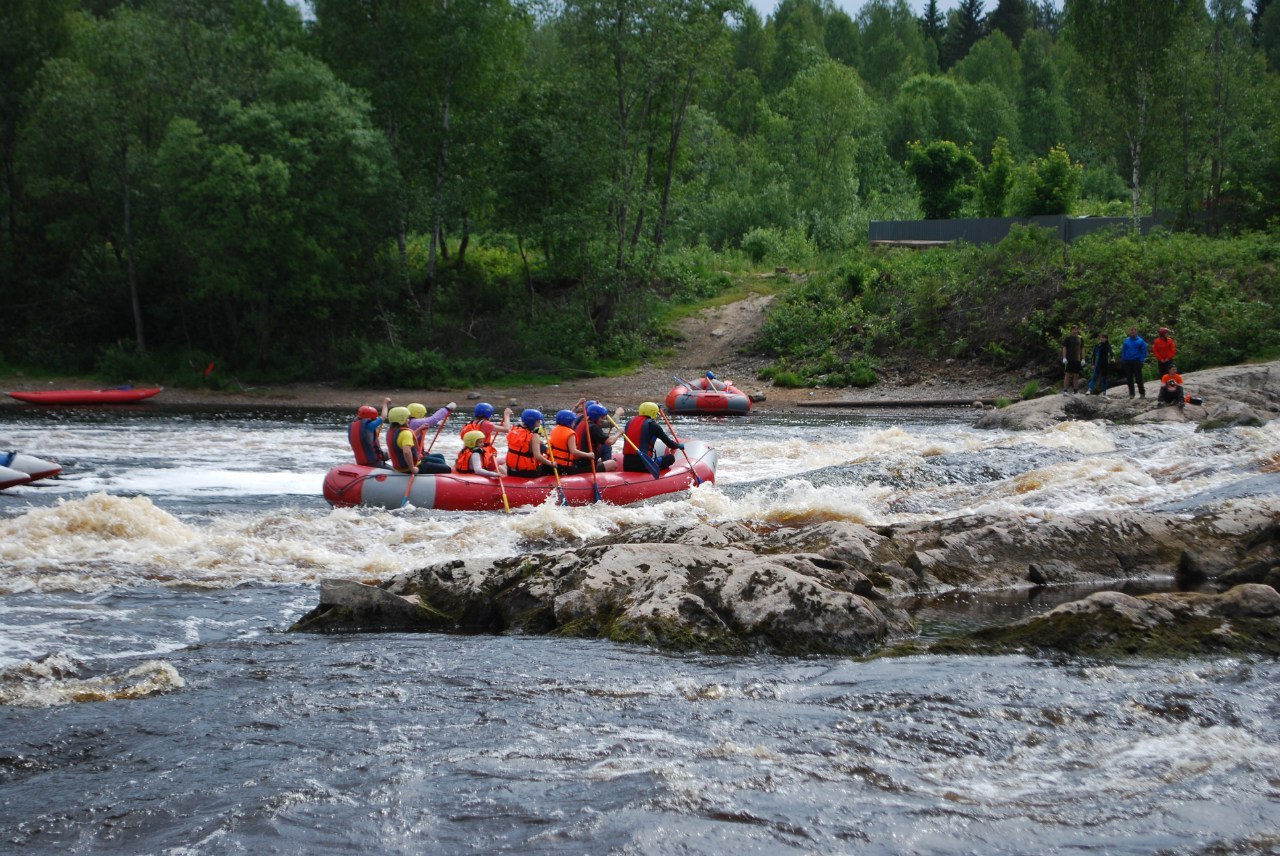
(353, 484)
(117, 395)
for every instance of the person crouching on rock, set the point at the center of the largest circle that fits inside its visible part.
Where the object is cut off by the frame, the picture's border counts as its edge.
(1171, 391)
(525, 459)
(642, 433)
(478, 456)
(363, 432)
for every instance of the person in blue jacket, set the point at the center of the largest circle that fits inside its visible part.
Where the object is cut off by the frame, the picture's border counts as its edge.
(1133, 353)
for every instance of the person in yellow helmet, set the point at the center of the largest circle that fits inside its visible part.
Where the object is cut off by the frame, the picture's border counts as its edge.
(402, 446)
(642, 433)
(478, 456)
(419, 421)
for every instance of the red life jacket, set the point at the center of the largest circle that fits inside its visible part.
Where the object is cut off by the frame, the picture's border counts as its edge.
(364, 444)
(394, 452)
(635, 434)
(488, 458)
(559, 443)
(520, 457)
(583, 433)
(484, 426)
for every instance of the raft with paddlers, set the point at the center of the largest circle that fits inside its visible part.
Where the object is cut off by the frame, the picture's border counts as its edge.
(17, 468)
(353, 484)
(707, 396)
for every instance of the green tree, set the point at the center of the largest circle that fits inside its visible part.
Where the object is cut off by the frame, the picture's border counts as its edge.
(992, 60)
(1045, 116)
(926, 109)
(964, 28)
(994, 182)
(1049, 185)
(1012, 18)
(942, 171)
(991, 116)
(893, 47)
(1127, 45)
(273, 206)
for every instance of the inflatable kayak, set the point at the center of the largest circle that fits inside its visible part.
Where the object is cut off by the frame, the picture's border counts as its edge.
(352, 484)
(708, 397)
(119, 395)
(17, 468)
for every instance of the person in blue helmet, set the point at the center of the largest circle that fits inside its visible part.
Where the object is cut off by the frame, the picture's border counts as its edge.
(525, 459)
(593, 438)
(710, 382)
(482, 421)
(562, 443)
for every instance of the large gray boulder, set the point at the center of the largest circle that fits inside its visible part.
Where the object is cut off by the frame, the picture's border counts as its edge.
(836, 587)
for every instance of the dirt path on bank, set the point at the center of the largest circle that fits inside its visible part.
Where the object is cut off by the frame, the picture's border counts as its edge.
(718, 338)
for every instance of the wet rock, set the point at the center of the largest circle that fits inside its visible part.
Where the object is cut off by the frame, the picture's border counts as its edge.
(668, 595)
(1245, 619)
(348, 606)
(1228, 414)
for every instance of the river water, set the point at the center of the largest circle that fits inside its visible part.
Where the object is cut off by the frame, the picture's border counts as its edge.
(150, 701)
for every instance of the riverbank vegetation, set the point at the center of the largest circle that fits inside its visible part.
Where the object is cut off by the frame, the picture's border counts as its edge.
(429, 194)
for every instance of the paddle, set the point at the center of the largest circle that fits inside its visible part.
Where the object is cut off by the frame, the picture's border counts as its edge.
(408, 490)
(439, 428)
(542, 430)
(683, 383)
(696, 479)
(502, 487)
(648, 464)
(595, 479)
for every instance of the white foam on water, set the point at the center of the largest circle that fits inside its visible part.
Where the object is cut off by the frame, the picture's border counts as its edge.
(55, 680)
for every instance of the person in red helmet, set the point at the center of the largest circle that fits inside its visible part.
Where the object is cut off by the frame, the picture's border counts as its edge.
(362, 433)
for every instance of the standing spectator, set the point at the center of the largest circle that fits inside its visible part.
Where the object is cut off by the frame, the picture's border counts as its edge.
(1133, 353)
(1101, 365)
(1072, 358)
(1164, 350)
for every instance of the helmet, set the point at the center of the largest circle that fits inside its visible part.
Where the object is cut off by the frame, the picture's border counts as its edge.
(367, 411)
(484, 410)
(530, 418)
(648, 409)
(565, 417)
(417, 411)
(595, 411)
(471, 439)
(711, 375)
(399, 415)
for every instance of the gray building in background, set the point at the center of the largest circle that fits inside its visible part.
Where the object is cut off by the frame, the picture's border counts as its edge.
(921, 234)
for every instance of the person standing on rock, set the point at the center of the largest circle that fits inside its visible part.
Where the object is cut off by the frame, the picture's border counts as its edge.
(1072, 358)
(1101, 365)
(1133, 353)
(1164, 350)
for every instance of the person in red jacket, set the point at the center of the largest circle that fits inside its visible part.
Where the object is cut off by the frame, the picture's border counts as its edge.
(1164, 350)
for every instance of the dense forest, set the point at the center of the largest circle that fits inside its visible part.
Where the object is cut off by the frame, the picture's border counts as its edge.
(424, 192)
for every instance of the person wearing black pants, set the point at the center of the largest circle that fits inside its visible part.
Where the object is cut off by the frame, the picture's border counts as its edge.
(1133, 353)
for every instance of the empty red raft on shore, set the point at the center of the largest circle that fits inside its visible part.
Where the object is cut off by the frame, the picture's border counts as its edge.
(118, 395)
(708, 397)
(352, 484)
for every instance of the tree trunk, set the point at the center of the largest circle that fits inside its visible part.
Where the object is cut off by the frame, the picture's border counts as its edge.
(437, 215)
(660, 226)
(130, 268)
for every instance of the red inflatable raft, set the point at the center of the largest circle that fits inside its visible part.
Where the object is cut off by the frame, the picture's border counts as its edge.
(708, 397)
(17, 468)
(353, 484)
(119, 395)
